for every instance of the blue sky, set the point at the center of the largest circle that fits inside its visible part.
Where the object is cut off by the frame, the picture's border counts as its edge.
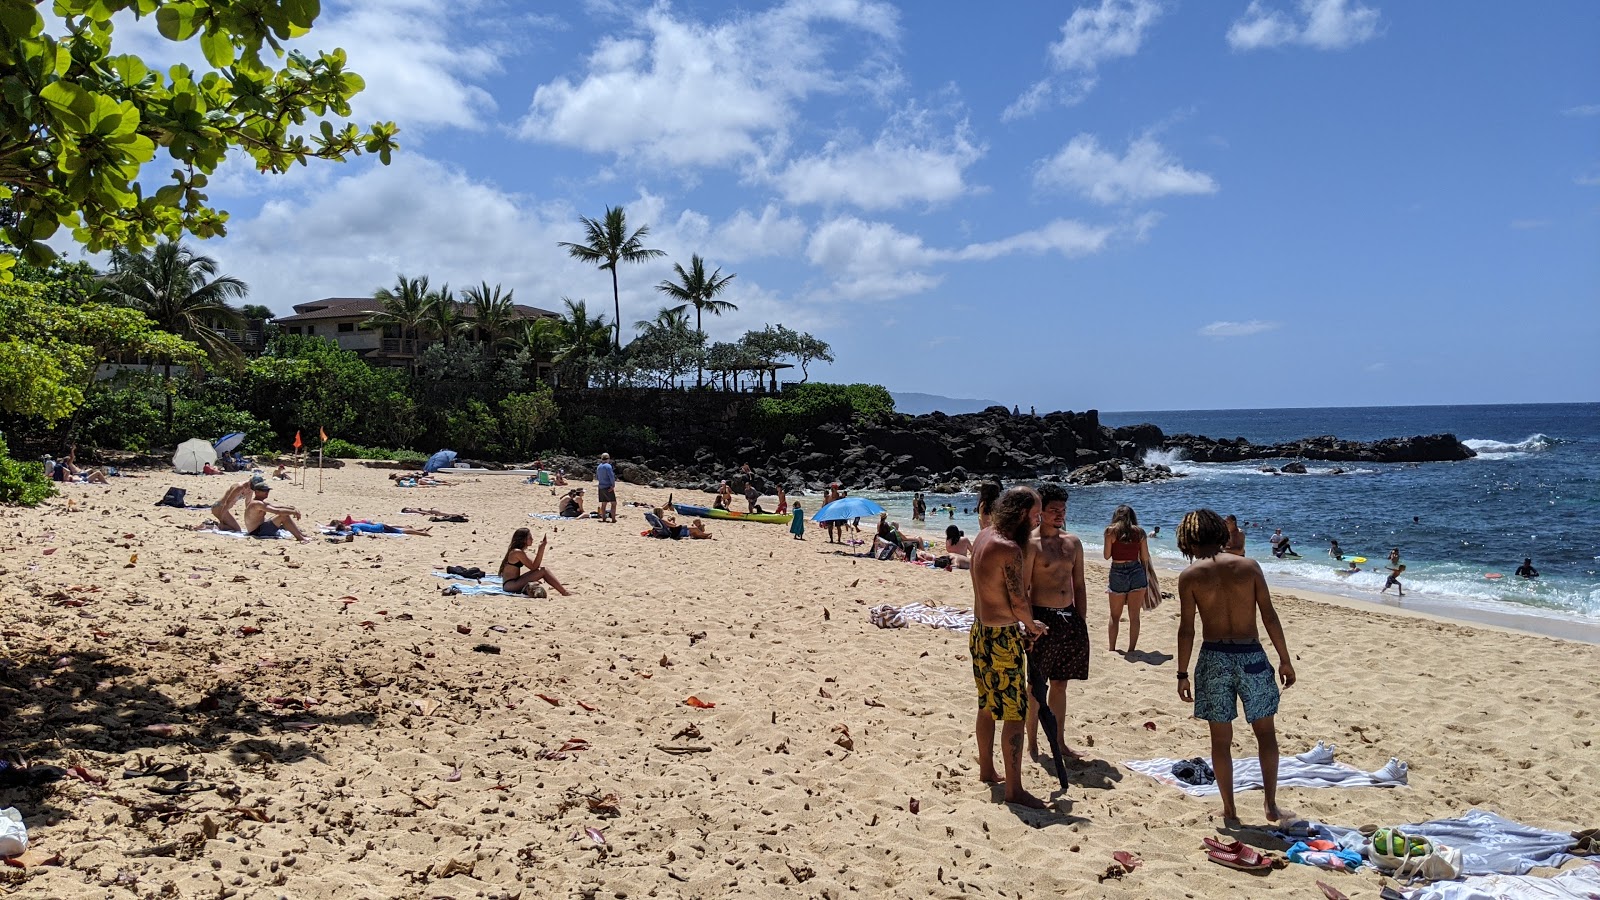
(1124, 204)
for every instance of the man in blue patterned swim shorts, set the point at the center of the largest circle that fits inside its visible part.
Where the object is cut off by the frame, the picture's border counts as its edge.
(1226, 591)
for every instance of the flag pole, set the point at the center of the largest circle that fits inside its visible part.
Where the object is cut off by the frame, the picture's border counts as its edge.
(324, 433)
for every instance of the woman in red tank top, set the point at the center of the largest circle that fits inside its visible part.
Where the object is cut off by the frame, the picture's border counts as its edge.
(1131, 573)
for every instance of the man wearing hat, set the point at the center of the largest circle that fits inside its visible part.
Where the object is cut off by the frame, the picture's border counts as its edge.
(263, 519)
(605, 479)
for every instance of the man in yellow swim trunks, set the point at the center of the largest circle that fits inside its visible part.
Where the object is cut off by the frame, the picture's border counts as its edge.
(1003, 616)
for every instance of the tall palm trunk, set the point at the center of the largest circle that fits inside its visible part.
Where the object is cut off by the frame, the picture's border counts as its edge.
(616, 306)
(698, 361)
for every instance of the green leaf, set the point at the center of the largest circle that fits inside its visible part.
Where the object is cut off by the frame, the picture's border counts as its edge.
(18, 18)
(302, 12)
(177, 22)
(73, 105)
(218, 48)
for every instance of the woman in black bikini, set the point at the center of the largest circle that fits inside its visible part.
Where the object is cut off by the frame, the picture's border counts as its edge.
(517, 558)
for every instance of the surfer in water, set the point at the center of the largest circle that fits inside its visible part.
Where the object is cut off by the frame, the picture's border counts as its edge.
(1526, 570)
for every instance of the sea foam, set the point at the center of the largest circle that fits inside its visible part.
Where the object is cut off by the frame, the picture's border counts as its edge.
(1487, 449)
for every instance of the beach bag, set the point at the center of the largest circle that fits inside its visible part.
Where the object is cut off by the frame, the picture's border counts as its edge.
(473, 573)
(1152, 591)
(1413, 856)
(941, 562)
(173, 498)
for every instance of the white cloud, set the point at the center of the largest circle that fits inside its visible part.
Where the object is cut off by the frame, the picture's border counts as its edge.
(876, 260)
(683, 92)
(1323, 24)
(1588, 109)
(909, 162)
(1237, 329)
(1090, 37)
(1145, 172)
(1587, 180)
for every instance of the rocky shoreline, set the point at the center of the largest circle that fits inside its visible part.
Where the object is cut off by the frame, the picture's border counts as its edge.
(950, 454)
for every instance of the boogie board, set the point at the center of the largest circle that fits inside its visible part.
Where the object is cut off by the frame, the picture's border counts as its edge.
(1358, 560)
(1493, 576)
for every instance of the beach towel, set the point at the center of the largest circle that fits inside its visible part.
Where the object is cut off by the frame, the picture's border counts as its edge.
(1489, 844)
(1292, 772)
(1578, 884)
(548, 517)
(952, 618)
(490, 585)
(283, 534)
(366, 531)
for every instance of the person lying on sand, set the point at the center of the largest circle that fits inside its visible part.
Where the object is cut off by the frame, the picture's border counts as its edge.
(367, 526)
(263, 519)
(65, 470)
(516, 559)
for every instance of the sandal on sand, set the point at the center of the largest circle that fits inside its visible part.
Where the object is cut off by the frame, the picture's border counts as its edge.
(186, 787)
(156, 770)
(1230, 847)
(1246, 860)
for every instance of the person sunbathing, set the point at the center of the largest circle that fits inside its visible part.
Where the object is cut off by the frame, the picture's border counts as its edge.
(282, 473)
(572, 504)
(516, 559)
(68, 470)
(263, 519)
(698, 531)
(367, 526)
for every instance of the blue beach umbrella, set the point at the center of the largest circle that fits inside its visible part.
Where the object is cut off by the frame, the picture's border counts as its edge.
(440, 460)
(228, 442)
(847, 508)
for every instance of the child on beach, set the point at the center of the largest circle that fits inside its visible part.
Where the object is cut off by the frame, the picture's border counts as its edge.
(797, 526)
(1227, 591)
(1394, 579)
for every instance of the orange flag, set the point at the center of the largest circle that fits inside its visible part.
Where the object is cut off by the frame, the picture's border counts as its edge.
(324, 432)
(297, 440)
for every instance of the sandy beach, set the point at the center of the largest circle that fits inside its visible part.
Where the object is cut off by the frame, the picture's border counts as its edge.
(349, 732)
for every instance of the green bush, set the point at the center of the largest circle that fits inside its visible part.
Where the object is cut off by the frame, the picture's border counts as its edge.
(803, 407)
(523, 417)
(195, 419)
(343, 449)
(22, 483)
(124, 417)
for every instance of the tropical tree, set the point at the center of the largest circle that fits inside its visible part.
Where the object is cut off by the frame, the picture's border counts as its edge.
(405, 307)
(695, 288)
(666, 345)
(80, 118)
(580, 342)
(493, 313)
(776, 342)
(181, 292)
(607, 243)
(444, 320)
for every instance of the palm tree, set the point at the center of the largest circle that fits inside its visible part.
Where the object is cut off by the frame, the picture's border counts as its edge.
(493, 313)
(580, 339)
(405, 307)
(181, 293)
(668, 318)
(695, 288)
(607, 242)
(444, 320)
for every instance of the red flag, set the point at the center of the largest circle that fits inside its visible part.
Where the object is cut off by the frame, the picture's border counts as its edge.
(297, 440)
(324, 432)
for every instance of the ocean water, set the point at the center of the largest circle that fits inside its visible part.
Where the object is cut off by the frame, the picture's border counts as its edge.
(1533, 491)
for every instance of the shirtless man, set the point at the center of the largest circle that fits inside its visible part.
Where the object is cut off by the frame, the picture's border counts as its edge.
(1226, 592)
(999, 604)
(1054, 576)
(223, 509)
(828, 496)
(263, 519)
(1235, 544)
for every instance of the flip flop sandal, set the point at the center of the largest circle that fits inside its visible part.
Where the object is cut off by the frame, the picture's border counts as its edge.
(1230, 847)
(155, 770)
(1246, 860)
(185, 787)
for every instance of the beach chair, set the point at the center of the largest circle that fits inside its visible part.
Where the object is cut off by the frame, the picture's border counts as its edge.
(544, 477)
(659, 529)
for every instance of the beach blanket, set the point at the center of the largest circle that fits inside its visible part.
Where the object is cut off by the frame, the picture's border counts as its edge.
(283, 534)
(490, 585)
(1578, 884)
(1292, 772)
(326, 530)
(1489, 844)
(552, 517)
(952, 618)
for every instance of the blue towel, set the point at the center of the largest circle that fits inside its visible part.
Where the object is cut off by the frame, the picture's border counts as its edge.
(489, 585)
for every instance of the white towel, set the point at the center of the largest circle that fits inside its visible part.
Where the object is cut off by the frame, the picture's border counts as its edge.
(952, 618)
(1292, 772)
(1578, 884)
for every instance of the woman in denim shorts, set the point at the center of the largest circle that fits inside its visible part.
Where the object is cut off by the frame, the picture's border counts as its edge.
(1129, 553)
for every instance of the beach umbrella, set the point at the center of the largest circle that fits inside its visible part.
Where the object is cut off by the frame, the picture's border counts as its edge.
(229, 442)
(847, 508)
(193, 455)
(440, 460)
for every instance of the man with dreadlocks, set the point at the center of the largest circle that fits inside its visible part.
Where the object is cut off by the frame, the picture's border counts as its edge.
(1227, 591)
(1000, 602)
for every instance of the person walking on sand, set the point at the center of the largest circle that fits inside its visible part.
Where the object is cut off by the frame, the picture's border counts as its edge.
(797, 526)
(1235, 543)
(263, 519)
(605, 482)
(1058, 597)
(513, 579)
(828, 496)
(1131, 573)
(1227, 592)
(1001, 617)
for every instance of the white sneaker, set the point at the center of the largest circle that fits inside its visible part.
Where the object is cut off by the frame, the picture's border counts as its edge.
(1320, 755)
(1394, 772)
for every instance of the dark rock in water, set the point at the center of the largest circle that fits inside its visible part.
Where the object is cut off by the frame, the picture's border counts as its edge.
(1294, 468)
(1096, 473)
(1419, 448)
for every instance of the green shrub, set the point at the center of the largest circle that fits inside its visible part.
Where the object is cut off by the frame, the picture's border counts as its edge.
(195, 419)
(124, 417)
(523, 417)
(343, 449)
(22, 483)
(803, 407)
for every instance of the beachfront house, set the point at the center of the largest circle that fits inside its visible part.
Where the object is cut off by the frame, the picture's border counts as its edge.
(343, 320)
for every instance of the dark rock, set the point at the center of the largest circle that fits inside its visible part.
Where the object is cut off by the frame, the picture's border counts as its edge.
(1294, 468)
(1419, 448)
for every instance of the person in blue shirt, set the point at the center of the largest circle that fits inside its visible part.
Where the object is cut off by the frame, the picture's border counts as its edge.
(605, 478)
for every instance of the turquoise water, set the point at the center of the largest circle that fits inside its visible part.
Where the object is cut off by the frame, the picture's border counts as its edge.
(1534, 490)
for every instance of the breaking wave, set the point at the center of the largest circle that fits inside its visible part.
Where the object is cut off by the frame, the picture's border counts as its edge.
(1488, 449)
